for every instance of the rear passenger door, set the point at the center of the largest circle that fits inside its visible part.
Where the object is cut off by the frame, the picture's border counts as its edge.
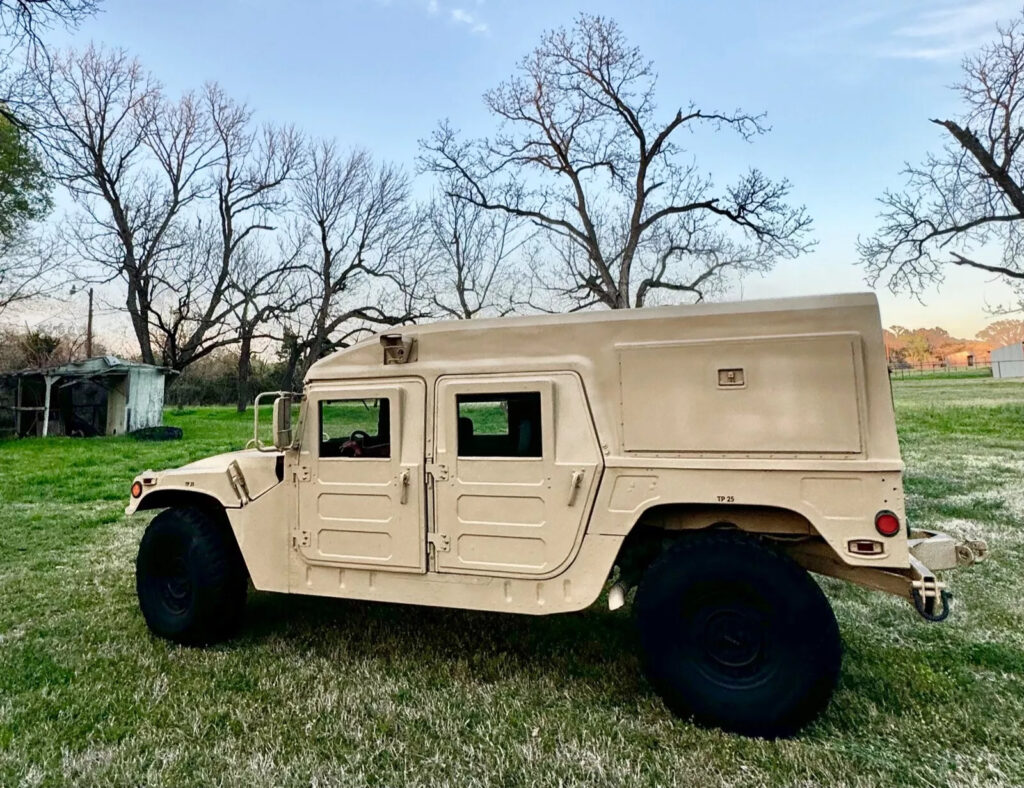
(515, 470)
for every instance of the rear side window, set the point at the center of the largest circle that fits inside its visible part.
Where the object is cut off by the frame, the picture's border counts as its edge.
(355, 428)
(499, 425)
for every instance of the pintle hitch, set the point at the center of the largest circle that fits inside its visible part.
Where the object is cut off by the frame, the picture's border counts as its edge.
(926, 605)
(931, 599)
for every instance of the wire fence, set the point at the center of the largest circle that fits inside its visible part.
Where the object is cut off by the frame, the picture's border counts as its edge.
(936, 369)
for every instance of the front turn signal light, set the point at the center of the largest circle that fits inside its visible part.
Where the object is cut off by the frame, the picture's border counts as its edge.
(136, 489)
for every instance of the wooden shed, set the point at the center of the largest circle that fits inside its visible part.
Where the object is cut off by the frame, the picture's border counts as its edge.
(98, 396)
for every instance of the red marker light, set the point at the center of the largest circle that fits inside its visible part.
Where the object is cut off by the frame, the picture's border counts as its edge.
(136, 489)
(887, 523)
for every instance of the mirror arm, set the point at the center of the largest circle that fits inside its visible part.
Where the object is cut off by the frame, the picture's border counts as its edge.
(255, 442)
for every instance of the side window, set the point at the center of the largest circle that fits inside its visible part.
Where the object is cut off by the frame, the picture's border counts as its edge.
(499, 425)
(355, 428)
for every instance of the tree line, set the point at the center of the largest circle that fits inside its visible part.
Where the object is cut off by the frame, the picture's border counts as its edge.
(218, 231)
(937, 345)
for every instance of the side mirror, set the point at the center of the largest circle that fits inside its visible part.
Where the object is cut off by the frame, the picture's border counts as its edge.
(282, 422)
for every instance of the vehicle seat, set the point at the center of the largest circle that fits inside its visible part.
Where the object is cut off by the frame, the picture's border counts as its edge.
(524, 443)
(465, 446)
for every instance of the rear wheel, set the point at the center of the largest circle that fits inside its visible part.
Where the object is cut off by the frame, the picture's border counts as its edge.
(737, 635)
(190, 578)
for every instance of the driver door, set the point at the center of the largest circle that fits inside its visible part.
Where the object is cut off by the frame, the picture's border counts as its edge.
(361, 500)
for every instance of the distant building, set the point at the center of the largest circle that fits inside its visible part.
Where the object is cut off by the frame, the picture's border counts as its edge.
(99, 396)
(971, 357)
(1008, 361)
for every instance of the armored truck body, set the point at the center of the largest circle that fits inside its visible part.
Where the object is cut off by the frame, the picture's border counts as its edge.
(707, 455)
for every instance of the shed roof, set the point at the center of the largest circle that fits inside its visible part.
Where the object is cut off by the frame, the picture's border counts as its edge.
(88, 368)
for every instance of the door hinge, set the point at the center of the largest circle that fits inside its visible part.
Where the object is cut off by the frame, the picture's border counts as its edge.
(441, 542)
(301, 539)
(302, 473)
(437, 472)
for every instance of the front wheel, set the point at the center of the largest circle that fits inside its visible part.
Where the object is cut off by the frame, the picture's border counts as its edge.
(737, 635)
(190, 578)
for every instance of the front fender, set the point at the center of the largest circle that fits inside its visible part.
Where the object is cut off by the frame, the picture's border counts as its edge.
(230, 480)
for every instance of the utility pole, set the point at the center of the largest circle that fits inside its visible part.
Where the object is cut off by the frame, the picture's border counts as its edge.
(88, 329)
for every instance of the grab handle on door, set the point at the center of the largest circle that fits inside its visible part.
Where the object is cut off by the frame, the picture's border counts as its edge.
(403, 483)
(574, 485)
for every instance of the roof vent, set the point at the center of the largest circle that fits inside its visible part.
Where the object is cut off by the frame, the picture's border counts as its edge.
(397, 349)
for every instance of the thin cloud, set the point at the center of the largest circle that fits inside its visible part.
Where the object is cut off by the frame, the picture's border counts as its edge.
(951, 31)
(915, 30)
(462, 17)
(457, 16)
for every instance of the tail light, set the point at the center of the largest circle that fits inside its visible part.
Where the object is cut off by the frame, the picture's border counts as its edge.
(887, 523)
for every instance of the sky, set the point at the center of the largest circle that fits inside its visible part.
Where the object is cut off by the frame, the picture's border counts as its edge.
(848, 89)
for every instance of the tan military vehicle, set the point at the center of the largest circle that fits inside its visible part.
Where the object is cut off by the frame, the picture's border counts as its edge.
(707, 456)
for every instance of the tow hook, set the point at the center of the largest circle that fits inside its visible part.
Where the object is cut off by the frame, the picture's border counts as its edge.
(971, 552)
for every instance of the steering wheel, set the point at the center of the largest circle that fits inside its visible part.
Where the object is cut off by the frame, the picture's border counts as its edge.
(353, 447)
(360, 437)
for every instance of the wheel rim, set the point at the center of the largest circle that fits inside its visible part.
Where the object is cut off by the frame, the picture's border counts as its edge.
(733, 639)
(172, 580)
(728, 637)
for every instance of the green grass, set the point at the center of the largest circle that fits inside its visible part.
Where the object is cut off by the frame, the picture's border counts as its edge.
(331, 692)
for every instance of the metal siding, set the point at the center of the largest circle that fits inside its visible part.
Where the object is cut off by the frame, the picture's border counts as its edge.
(117, 406)
(1008, 361)
(145, 398)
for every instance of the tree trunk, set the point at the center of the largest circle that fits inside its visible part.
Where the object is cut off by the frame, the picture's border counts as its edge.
(139, 318)
(244, 371)
(294, 354)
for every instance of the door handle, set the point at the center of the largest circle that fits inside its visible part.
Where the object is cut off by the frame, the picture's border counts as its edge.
(403, 483)
(574, 485)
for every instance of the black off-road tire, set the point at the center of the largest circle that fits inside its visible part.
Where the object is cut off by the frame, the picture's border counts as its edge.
(736, 635)
(190, 577)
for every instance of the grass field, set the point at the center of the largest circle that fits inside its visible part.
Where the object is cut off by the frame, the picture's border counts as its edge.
(343, 693)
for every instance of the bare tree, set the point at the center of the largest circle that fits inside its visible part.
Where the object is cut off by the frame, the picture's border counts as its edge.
(134, 162)
(44, 345)
(361, 231)
(31, 265)
(970, 195)
(255, 166)
(188, 315)
(1002, 332)
(581, 153)
(248, 177)
(265, 291)
(23, 24)
(474, 254)
(23, 21)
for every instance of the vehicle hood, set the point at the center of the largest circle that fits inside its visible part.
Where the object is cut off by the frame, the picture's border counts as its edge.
(249, 460)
